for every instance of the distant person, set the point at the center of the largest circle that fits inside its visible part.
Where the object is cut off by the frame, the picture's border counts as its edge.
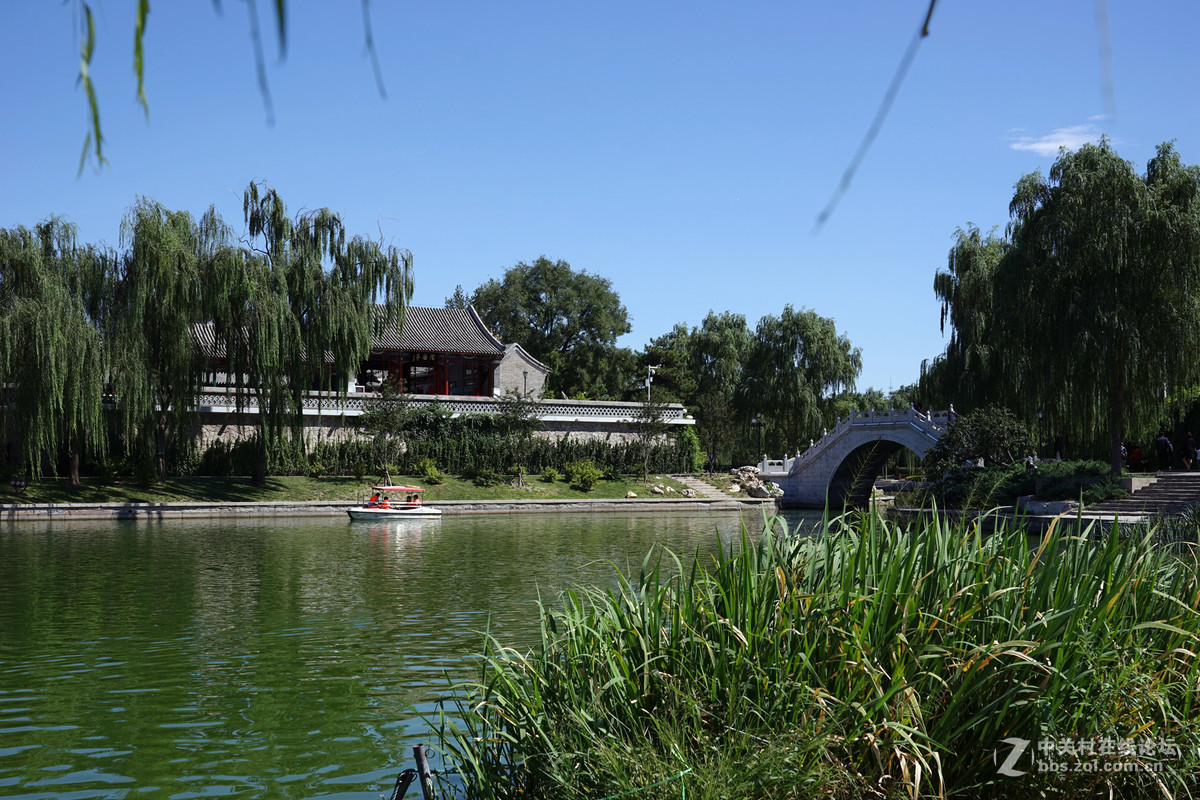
(1189, 450)
(1162, 449)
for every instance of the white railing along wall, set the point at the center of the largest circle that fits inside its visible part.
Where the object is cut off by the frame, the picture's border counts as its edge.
(214, 399)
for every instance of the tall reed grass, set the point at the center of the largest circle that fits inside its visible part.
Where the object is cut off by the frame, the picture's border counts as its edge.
(863, 661)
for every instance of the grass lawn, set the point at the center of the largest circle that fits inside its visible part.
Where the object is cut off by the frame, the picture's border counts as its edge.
(294, 488)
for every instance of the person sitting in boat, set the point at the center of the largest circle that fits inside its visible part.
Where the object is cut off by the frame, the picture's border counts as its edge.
(373, 500)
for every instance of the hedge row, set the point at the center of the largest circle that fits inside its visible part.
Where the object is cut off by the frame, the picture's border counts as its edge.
(460, 446)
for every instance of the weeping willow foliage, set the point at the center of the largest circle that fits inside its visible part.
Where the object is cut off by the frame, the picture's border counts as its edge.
(967, 372)
(296, 308)
(1093, 307)
(797, 363)
(166, 279)
(52, 304)
(1110, 262)
(293, 310)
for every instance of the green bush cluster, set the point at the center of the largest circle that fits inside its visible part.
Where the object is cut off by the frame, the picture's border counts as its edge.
(549, 474)
(427, 470)
(582, 474)
(460, 446)
(987, 487)
(487, 477)
(993, 434)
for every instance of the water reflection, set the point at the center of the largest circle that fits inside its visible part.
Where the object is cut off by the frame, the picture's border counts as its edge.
(276, 658)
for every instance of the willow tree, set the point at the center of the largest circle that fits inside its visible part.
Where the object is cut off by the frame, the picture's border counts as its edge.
(166, 276)
(296, 309)
(52, 363)
(717, 351)
(967, 373)
(797, 362)
(1097, 301)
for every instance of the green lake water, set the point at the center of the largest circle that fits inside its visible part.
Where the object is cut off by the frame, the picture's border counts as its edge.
(276, 658)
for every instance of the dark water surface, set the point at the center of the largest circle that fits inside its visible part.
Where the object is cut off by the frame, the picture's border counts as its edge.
(272, 658)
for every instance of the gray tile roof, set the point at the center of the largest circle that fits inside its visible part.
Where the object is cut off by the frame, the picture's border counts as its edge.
(441, 330)
(437, 330)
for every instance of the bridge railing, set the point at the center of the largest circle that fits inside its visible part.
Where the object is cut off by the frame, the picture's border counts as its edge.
(932, 424)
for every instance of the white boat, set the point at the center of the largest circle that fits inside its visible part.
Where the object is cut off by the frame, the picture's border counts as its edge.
(394, 502)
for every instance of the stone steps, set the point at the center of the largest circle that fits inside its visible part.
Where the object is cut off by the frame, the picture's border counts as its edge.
(701, 488)
(1171, 493)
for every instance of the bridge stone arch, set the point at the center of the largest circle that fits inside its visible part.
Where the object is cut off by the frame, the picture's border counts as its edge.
(841, 468)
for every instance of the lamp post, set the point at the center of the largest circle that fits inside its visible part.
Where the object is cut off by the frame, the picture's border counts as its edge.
(1038, 447)
(525, 373)
(650, 379)
(757, 422)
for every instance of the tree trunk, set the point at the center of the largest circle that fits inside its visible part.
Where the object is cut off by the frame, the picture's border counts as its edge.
(259, 476)
(1116, 399)
(73, 461)
(160, 447)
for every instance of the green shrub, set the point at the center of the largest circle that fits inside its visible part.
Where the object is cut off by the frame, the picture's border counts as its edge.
(689, 444)
(487, 477)
(549, 474)
(582, 475)
(993, 434)
(359, 470)
(997, 486)
(428, 471)
(145, 473)
(315, 468)
(107, 469)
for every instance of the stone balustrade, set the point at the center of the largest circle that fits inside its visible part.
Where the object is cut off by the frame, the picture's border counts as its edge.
(213, 399)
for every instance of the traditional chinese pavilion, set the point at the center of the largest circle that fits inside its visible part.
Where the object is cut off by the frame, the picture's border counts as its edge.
(442, 351)
(437, 351)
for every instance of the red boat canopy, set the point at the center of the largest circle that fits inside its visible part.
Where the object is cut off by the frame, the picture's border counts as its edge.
(397, 489)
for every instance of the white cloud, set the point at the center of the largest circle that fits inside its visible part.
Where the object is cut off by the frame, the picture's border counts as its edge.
(1071, 138)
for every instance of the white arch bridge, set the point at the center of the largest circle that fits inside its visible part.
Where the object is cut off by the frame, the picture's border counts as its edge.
(841, 468)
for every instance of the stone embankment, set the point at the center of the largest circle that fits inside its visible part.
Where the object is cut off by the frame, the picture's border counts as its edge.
(201, 510)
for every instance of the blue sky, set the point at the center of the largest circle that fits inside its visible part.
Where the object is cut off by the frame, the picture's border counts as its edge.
(682, 150)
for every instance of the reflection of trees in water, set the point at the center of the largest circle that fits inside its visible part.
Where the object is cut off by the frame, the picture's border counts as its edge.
(230, 647)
